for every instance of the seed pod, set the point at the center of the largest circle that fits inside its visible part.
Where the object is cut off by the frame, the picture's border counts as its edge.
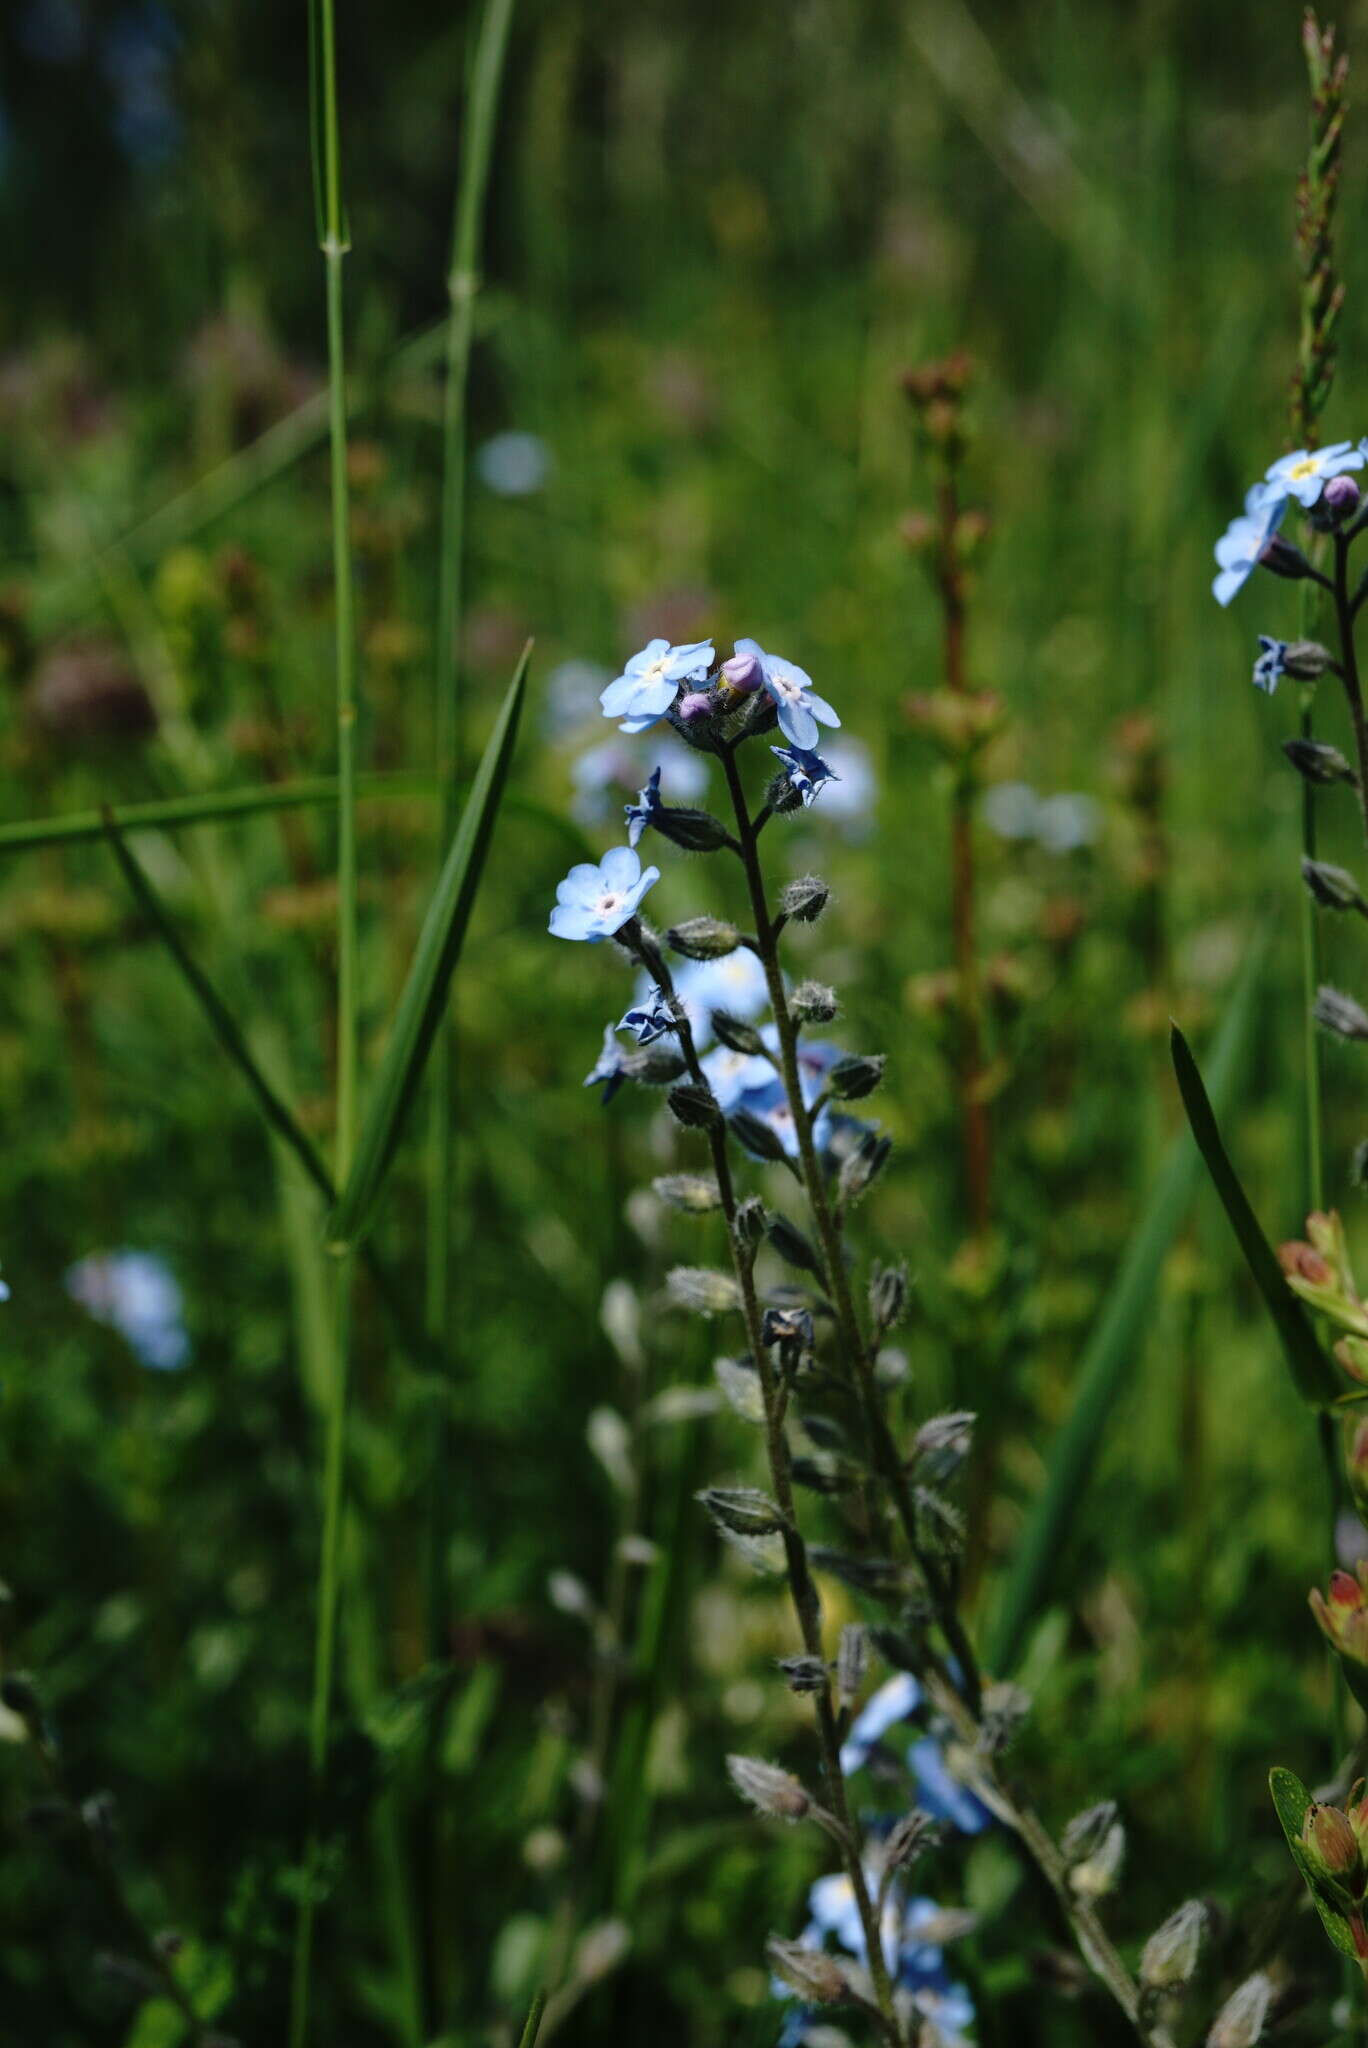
(888, 1291)
(850, 1080)
(812, 1002)
(1319, 762)
(750, 1222)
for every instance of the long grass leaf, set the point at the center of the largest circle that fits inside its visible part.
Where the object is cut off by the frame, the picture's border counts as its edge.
(1111, 1347)
(1311, 1371)
(424, 998)
(80, 826)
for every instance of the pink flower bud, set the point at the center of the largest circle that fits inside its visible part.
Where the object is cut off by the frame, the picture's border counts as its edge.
(698, 704)
(744, 673)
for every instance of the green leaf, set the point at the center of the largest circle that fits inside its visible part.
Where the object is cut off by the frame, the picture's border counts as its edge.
(1311, 1371)
(429, 979)
(1292, 1803)
(1104, 1368)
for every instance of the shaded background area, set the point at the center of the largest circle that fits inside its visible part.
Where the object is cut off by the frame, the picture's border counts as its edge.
(716, 237)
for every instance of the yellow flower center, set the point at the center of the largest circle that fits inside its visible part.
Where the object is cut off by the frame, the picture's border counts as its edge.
(1308, 466)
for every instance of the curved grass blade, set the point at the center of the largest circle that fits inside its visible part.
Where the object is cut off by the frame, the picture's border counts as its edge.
(1102, 1370)
(1311, 1371)
(425, 992)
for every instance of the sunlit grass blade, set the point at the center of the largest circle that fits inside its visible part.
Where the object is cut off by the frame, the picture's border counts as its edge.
(1110, 1350)
(1311, 1371)
(422, 1004)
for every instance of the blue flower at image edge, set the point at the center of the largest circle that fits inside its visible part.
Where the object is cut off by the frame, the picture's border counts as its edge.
(650, 682)
(806, 771)
(594, 902)
(1304, 473)
(797, 703)
(1239, 548)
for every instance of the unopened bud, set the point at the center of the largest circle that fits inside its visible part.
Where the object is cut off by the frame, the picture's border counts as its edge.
(775, 1793)
(1170, 1955)
(702, 1291)
(760, 1139)
(744, 673)
(1330, 1843)
(750, 1220)
(1306, 661)
(888, 1291)
(850, 1080)
(1340, 498)
(1337, 1012)
(804, 900)
(695, 831)
(741, 1510)
(791, 1245)
(694, 1107)
(852, 1661)
(1240, 2022)
(693, 1194)
(813, 1973)
(1283, 559)
(1318, 762)
(812, 1002)
(695, 707)
(737, 1035)
(703, 938)
(1333, 888)
(860, 1168)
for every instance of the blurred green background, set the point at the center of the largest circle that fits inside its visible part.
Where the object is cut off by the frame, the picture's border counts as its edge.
(716, 237)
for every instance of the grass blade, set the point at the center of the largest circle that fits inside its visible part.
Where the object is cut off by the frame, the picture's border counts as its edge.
(423, 1001)
(1102, 1371)
(78, 826)
(1311, 1372)
(534, 2020)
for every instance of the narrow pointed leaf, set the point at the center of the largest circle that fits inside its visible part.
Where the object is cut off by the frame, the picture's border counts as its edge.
(424, 999)
(1292, 1803)
(1105, 1366)
(1311, 1371)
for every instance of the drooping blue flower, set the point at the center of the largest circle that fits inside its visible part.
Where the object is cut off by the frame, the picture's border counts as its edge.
(136, 1294)
(1304, 473)
(650, 1020)
(894, 1701)
(798, 704)
(729, 1074)
(1239, 548)
(1271, 664)
(948, 2009)
(650, 682)
(643, 812)
(610, 1067)
(594, 902)
(941, 1794)
(806, 771)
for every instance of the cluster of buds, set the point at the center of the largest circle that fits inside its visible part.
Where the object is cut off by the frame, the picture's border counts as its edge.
(1317, 1268)
(937, 391)
(1343, 1618)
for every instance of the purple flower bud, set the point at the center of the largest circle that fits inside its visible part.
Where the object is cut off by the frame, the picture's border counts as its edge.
(1341, 497)
(698, 704)
(744, 673)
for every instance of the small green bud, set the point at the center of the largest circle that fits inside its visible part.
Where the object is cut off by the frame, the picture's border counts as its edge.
(703, 938)
(1170, 1955)
(750, 1221)
(850, 1080)
(812, 1002)
(695, 831)
(863, 1166)
(791, 1245)
(775, 1793)
(1318, 762)
(758, 1137)
(737, 1035)
(702, 1291)
(742, 1510)
(693, 1194)
(804, 900)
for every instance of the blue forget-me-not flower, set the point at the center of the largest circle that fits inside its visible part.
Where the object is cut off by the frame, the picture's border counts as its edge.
(649, 1020)
(594, 902)
(650, 682)
(1239, 548)
(610, 1067)
(796, 701)
(1271, 663)
(1304, 473)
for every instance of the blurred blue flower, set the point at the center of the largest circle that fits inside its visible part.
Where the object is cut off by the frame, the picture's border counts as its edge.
(798, 704)
(807, 772)
(947, 2008)
(513, 464)
(610, 1067)
(1066, 822)
(136, 1294)
(643, 812)
(594, 902)
(771, 1105)
(1011, 810)
(735, 983)
(4, 1290)
(1271, 663)
(941, 1794)
(650, 682)
(603, 775)
(1238, 549)
(898, 1697)
(650, 1020)
(730, 1074)
(571, 696)
(1305, 472)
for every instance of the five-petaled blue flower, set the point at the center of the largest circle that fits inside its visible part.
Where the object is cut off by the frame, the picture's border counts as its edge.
(644, 811)
(650, 682)
(1271, 664)
(610, 1067)
(798, 704)
(1304, 473)
(806, 771)
(649, 1020)
(1239, 548)
(594, 902)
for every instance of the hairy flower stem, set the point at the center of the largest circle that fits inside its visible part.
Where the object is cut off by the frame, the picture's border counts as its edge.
(855, 1350)
(1353, 689)
(802, 1591)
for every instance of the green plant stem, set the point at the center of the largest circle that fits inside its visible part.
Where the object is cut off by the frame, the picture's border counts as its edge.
(463, 285)
(77, 827)
(856, 1352)
(802, 1591)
